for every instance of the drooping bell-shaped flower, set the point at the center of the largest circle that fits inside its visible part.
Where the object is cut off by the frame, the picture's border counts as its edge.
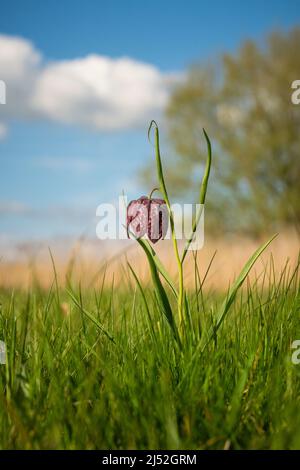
(147, 216)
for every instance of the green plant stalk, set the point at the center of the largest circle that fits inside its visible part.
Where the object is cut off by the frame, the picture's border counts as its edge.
(164, 192)
(202, 195)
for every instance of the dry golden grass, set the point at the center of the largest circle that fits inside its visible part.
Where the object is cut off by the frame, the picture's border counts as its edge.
(87, 262)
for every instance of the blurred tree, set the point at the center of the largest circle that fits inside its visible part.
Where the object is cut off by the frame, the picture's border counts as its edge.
(244, 102)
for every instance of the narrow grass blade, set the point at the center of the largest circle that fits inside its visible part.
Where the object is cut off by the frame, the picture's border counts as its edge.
(143, 297)
(203, 188)
(90, 316)
(233, 291)
(55, 277)
(225, 308)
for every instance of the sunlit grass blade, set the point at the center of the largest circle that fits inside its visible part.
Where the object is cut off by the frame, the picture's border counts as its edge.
(203, 188)
(232, 293)
(90, 316)
(212, 332)
(143, 297)
(55, 277)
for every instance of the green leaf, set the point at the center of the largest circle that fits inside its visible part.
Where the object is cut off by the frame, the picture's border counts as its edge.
(160, 175)
(146, 246)
(203, 188)
(160, 291)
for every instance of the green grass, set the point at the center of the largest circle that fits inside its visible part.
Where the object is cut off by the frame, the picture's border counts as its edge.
(156, 367)
(112, 375)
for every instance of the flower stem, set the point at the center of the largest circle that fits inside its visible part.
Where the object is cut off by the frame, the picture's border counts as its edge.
(164, 192)
(153, 190)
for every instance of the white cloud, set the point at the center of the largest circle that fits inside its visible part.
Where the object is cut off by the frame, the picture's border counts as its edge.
(100, 92)
(95, 91)
(20, 65)
(18, 56)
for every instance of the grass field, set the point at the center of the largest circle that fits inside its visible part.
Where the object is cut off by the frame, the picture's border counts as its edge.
(100, 368)
(160, 363)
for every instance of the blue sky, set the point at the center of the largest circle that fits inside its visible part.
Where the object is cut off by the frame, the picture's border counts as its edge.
(55, 169)
(169, 34)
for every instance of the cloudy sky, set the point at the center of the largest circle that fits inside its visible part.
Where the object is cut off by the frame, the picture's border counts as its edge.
(83, 81)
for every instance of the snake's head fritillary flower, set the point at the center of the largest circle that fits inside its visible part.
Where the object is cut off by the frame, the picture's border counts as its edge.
(147, 216)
